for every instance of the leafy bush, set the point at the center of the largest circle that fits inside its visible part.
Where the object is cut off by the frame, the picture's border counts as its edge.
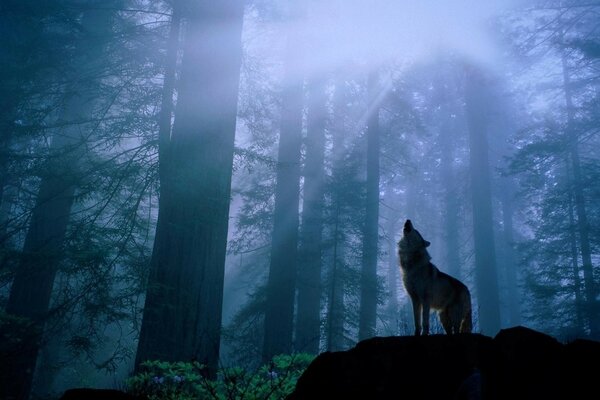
(161, 380)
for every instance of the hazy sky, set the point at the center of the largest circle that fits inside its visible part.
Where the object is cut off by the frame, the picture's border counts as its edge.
(374, 31)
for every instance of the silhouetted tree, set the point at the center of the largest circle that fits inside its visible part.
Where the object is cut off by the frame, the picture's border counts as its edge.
(368, 293)
(477, 114)
(182, 313)
(42, 251)
(308, 326)
(281, 286)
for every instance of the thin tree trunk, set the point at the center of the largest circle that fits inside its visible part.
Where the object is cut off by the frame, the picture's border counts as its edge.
(308, 325)
(574, 263)
(446, 141)
(514, 297)
(483, 232)
(368, 292)
(281, 285)
(336, 311)
(182, 313)
(393, 309)
(580, 209)
(450, 201)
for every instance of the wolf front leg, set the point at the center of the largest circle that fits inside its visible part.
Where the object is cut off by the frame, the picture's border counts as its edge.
(417, 316)
(425, 317)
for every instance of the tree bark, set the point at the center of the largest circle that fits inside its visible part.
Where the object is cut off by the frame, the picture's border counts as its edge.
(580, 208)
(335, 310)
(450, 200)
(577, 286)
(368, 291)
(182, 314)
(486, 274)
(308, 325)
(31, 289)
(281, 285)
(392, 308)
(512, 281)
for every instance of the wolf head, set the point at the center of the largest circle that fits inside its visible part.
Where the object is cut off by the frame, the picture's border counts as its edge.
(412, 241)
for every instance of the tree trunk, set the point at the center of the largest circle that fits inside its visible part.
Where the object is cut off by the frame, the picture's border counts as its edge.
(580, 209)
(486, 274)
(510, 260)
(450, 200)
(166, 111)
(31, 289)
(579, 318)
(336, 311)
(32, 286)
(281, 285)
(393, 308)
(368, 292)
(447, 130)
(308, 325)
(182, 314)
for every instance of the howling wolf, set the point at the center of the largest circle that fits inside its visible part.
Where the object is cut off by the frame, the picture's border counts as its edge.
(428, 287)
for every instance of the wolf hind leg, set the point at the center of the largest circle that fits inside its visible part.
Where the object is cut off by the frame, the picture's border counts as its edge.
(417, 316)
(446, 321)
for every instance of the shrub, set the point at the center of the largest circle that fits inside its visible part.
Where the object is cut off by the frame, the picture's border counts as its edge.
(161, 380)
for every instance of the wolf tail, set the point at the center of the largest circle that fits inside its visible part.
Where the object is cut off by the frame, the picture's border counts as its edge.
(466, 324)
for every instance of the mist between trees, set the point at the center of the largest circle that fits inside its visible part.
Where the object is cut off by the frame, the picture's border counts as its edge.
(225, 182)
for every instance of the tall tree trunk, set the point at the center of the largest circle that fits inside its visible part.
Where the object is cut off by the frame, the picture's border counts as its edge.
(368, 290)
(281, 285)
(151, 319)
(486, 274)
(42, 252)
(167, 105)
(308, 325)
(392, 308)
(182, 314)
(580, 208)
(31, 289)
(335, 310)
(447, 140)
(450, 199)
(510, 260)
(579, 318)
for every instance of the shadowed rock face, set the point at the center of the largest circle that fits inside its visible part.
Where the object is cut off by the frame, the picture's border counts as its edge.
(519, 363)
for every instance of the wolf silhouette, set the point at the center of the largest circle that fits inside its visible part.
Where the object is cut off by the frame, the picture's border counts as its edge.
(430, 288)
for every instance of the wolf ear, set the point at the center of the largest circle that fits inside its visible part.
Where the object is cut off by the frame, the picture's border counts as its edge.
(408, 226)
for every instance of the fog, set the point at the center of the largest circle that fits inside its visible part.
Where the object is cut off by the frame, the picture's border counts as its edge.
(227, 182)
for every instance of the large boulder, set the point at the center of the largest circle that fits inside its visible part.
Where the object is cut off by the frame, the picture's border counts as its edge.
(519, 363)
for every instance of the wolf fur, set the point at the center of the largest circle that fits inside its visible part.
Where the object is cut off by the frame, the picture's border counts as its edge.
(430, 288)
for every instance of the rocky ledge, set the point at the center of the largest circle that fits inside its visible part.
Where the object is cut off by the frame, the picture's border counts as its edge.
(518, 363)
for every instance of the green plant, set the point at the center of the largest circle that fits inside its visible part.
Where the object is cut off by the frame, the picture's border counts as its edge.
(161, 380)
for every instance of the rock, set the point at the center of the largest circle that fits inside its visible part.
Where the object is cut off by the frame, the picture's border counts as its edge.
(517, 363)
